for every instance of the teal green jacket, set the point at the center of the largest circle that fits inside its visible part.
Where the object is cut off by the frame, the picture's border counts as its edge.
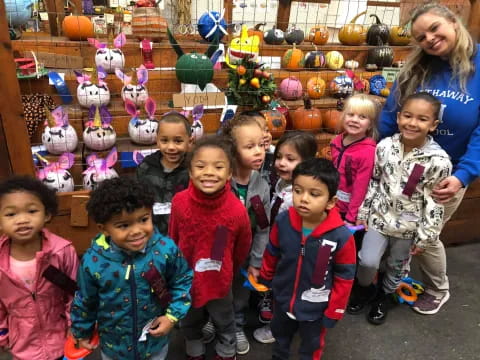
(113, 294)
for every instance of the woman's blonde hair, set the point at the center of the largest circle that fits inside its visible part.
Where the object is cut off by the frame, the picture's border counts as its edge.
(417, 69)
(364, 105)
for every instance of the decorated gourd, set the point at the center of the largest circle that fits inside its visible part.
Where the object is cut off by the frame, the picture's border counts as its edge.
(92, 89)
(341, 86)
(212, 24)
(58, 136)
(382, 56)
(142, 130)
(353, 34)
(294, 36)
(276, 122)
(377, 33)
(291, 88)
(99, 169)
(138, 92)
(148, 22)
(99, 134)
(194, 68)
(334, 60)
(256, 31)
(109, 58)
(293, 59)
(274, 36)
(319, 35)
(315, 59)
(316, 87)
(306, 117)
(243, 48)
(55, 174)
(77, 27)
(399, 36)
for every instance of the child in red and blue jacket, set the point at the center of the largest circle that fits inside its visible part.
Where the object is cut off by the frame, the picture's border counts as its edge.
(309, 262)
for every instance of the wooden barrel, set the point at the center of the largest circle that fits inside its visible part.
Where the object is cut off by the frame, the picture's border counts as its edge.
(148, 23)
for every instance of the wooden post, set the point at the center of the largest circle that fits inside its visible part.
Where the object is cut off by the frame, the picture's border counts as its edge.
(11, 109)
(56, 13)
(474, 20)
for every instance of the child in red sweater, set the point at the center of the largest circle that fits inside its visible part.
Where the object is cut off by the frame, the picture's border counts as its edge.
(212, 229)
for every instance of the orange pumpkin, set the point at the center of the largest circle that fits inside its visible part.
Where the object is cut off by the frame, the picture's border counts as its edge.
(353, 34)
(306, 117)
(77, 27)
(399, 36)
(319, 35)
(293, 59)
(276, 122)
(332, 120)
(256, 31)
(316, 87)
(323, 145)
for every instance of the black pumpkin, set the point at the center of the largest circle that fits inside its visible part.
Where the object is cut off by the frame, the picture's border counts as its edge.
(315, 59)
(294, 36)
(377, 33)
(382, 56)
(273, 36)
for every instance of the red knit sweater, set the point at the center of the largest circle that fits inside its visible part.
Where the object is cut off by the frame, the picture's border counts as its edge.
(194, 222)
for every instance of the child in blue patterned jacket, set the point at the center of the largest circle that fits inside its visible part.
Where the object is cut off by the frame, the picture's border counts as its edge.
(134, 283)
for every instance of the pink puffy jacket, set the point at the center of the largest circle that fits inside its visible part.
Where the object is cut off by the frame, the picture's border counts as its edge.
(36, 323)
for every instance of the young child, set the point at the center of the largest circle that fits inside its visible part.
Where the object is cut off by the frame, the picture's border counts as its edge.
(165, 170)
(402, 216)
(212, 228)
(134, 283)
(248, 139)
(353, 154)
(309, 262)
(292, 148)
(37, 272)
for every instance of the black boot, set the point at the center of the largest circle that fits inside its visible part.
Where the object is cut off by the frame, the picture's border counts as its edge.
(361, 296)
(379, 310)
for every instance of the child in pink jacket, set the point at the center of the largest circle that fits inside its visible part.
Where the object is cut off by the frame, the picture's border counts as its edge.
(37, 269)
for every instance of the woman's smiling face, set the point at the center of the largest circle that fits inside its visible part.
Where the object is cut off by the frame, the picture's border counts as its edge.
(435, 34)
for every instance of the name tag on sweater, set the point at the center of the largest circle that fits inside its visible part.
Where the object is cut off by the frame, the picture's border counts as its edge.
(162, 208)
(316, 295)
(409, 216)
(203, 265)
(343, 196)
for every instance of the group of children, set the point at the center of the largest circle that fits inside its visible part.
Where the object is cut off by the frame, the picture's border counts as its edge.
(177, 243)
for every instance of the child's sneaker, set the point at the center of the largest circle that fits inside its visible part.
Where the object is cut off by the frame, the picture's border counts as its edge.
(208, 332)
(264, 335)
(429, 304)
(265, 315)
(243, 346)
(218, 357)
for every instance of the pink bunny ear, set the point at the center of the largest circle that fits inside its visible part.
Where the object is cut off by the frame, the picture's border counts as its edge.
(150, 107)
(41, 174)
(102, 74)
(111, 158)
(81, 78)
(91, 159)
(66, 160)
(120, 40)
(131, 108)
(124, 77)
(137, 157)
(142, 75)
(96, 43)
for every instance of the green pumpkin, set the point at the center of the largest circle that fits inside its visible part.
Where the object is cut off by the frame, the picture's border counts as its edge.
(194, 68)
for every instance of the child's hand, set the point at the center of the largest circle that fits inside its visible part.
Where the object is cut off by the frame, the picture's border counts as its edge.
(416, 250)
(364, 223)
(161, 326)
(254, 272)
(85, 343)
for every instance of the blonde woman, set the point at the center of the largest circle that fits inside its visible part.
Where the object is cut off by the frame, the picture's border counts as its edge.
(444, 64)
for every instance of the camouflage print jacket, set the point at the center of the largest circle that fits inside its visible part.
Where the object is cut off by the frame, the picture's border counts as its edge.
(164, 185)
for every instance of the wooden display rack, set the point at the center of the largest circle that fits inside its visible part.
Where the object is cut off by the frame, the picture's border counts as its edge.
(72, 221)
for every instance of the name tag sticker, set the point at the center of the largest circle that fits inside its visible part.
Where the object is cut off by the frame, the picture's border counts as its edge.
(316, 295)
(203, 265)
(343, 196)
(409, 216)
(148, 326)
(162, 208)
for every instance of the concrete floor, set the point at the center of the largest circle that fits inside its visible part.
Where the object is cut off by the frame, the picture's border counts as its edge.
(452, 334)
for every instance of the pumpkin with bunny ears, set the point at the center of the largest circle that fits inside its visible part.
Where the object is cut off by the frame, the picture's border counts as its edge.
(92, 89)
(99, 169)
(142, 131)
(99, 133)
(137, 93)
(197, 126)
(110, 58)
(55, 174)
(58, 136)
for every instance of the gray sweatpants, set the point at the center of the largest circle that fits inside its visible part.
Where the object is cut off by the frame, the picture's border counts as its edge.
(374, 247)
(221, 314)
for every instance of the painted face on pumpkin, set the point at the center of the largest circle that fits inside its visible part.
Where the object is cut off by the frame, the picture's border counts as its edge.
(99, 138)
(59, 139)
(110, 59)
(136, 93)
(243, 47)
(89, 94)
(143, 131)
(61, 181)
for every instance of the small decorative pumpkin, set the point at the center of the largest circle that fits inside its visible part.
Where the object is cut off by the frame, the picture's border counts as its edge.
(109, 58)
(99, 133)
(256, 31)
(306, 117)
(212, 24)
(399, 36)
(351, 64)
(58, 136)
(55, 174)
(319, 35)
(92, 89)
(291, 88)
(293, 59)
(378, 33)
(274, 36)
(142, 130)
(99, 169)
(382, 56)
(334, 60)
(377, 84)
(353, 34)
(315, 59)
(331, 120)
(316, 87)
(138, 92)
(276, 122)
(341, 86)
(77, 27)
(294, 36)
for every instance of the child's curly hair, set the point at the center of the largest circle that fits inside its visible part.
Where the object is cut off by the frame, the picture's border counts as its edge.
(113, 196)
(29, 184)
(228, 129)
(213, 141)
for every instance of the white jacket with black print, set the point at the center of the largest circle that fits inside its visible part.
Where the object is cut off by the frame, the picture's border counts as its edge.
(391, 212)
